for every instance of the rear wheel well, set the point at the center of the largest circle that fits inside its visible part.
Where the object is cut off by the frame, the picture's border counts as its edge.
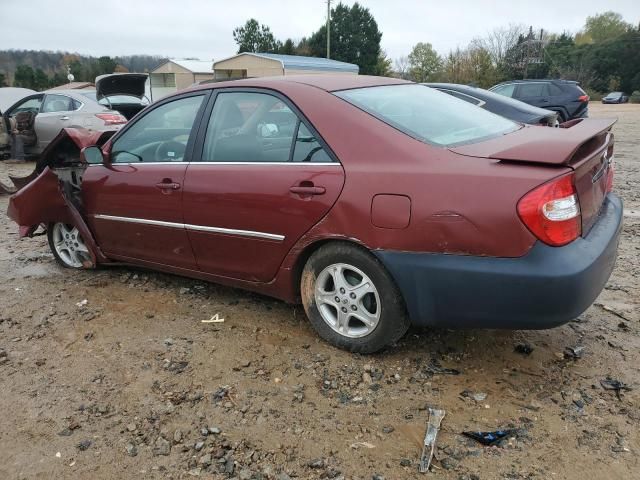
(309, 250)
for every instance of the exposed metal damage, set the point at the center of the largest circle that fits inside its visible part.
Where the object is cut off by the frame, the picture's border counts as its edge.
(57, 177)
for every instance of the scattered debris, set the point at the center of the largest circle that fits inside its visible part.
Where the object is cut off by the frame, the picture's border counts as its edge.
(434, 367)
(84, 445)
(612, 310)
(215, 319)
(615, 385)
(433, 425)
(358, 445)
(477, 396)
(490, 438)
(573, 353)
(524, 348)
(82, 303)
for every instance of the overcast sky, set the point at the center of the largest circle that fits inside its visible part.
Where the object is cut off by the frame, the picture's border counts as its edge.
(203, 28)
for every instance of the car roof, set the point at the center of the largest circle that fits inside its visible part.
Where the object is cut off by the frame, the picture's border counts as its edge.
(327, 82)
(539, 80)
(491, 97)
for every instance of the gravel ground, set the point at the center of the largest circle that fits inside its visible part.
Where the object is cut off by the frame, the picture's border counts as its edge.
(112, 374)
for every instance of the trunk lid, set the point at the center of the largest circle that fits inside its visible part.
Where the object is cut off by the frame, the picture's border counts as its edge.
(584, 145)
(132, 84)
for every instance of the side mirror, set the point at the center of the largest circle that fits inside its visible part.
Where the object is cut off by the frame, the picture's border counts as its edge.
(92, 155)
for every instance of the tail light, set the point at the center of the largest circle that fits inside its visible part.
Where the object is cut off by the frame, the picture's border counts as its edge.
(111, 118)
(552, 212)
(583, 98)
(610, 177)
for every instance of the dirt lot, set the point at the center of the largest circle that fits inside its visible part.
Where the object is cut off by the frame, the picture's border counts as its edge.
(112, 374)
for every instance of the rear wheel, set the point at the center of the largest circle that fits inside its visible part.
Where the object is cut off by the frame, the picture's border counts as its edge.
(67, 245)
(351, 300)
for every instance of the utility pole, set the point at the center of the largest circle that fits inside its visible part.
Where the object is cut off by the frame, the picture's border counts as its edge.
(328, 28)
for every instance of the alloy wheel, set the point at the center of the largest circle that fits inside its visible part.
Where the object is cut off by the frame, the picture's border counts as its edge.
(347, 300)
(69, 245)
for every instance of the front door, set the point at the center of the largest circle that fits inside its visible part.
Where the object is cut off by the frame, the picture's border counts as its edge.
(263, 179)
(55, 114)
(134, 201)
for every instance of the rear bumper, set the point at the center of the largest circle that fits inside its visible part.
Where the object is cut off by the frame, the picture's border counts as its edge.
(546, 287)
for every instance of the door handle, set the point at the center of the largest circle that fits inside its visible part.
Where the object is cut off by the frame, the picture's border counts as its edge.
(307, 190)
(64, 118)
(168, 186)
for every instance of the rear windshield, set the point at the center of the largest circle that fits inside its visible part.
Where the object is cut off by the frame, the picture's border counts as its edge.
(428, 115)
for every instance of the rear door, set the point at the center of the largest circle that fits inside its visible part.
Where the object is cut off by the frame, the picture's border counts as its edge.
(534, 93)
(264, 177)
(134, 202)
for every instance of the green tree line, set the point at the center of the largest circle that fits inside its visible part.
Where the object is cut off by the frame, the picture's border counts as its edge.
(40, 70)
(603, 56)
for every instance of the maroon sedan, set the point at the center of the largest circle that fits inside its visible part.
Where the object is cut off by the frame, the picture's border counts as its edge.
(376, 202)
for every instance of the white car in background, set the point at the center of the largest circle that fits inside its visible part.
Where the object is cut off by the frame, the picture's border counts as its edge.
(116, 99)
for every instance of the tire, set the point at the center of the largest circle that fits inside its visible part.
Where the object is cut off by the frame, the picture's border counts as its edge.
(369, 293)
(67, 246)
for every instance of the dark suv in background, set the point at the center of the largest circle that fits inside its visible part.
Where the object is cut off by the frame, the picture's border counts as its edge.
(563, 96)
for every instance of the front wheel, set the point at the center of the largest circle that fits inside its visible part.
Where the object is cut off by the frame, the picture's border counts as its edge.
(67, 245)
(351, 300)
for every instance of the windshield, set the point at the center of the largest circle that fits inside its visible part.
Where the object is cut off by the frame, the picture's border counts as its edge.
(615, 94)
(428, 115)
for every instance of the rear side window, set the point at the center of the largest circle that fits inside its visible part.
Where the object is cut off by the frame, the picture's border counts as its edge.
(554, 90)
(427, 114)
(537, 89)
(248, 127)
(57, 103)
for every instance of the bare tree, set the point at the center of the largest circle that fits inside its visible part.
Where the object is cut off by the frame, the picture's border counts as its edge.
(401, 67)
(500, 40)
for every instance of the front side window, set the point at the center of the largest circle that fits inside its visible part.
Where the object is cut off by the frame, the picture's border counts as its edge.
(57, 103)
(428, 115)
(257, 127)
(29, 105)
(159, 136)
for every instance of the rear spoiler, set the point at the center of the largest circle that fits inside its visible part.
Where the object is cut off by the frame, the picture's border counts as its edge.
(549, 146)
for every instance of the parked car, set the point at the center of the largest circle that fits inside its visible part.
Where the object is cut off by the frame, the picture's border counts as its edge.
(562, 96)
(615, 97)
(9, 96)
(499, 104)
(374, 201)
(116, 98)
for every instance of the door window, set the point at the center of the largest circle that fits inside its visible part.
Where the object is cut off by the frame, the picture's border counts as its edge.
(533, 90)
(307, 147)
(506, 90)
(257, 127)
(57, 103)
(29, 105)
(159, 136)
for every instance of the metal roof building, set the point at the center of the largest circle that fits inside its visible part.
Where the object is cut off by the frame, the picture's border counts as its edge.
(173, 75)
(245, 65)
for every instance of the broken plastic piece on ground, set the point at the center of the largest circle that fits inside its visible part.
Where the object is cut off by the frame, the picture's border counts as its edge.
(477, 396)
(215, 319)
(433, 425)
(615, 385)
(490, 438)
(573, 353)
(523, 348)
(82, 303)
